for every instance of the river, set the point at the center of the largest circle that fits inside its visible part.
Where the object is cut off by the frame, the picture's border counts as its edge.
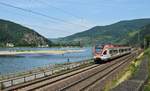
(13, 64)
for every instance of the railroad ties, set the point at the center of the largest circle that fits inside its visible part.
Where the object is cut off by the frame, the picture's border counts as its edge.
(91, 78)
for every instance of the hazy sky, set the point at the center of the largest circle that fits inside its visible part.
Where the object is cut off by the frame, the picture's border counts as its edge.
(59, 18)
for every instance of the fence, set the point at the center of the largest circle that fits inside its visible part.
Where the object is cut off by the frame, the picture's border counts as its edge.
(43, 72)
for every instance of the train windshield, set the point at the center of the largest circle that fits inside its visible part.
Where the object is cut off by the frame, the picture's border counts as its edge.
(98, 49)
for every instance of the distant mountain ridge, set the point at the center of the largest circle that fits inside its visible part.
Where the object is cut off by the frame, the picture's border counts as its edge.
(117, 33)
(17, 35)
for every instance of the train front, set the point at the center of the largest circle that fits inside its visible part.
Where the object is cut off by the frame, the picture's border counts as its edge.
(97, 50)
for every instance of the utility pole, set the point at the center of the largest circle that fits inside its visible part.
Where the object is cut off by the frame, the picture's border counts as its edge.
(92, 42)
(144, 43)
(138, 39)
(5, 27)
(92, 39)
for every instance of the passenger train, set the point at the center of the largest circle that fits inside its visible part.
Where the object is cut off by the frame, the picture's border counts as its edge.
(109, 51)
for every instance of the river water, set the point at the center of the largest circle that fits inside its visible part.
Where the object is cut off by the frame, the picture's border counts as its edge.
(13, 64)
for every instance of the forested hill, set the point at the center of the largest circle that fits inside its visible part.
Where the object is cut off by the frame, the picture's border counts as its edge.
(117, 33)
(12, 34)
(144, 33)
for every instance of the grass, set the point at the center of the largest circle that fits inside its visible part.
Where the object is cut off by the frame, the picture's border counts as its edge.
(125, 74)
(147, 86)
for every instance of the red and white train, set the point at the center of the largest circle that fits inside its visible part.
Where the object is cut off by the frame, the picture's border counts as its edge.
(109, 51)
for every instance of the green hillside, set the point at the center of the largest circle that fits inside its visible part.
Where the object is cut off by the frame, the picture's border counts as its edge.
(144, 33)
(18, 35)
(118, 33)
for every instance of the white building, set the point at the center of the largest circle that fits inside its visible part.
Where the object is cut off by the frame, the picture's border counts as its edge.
(9, 45)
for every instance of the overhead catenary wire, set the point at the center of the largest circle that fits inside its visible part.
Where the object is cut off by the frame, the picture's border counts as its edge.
(59, 9)
(56, 30)
(51, 19)
(35, 26)
(62, 10)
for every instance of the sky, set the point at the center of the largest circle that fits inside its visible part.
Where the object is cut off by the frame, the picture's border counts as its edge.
(60, 18)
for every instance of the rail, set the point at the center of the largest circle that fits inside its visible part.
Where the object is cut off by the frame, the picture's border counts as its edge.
(42, 73)
(47, 81)
(112, 67)
(76, 82)
(54, 84)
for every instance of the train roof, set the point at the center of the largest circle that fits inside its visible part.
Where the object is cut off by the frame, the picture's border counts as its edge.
(114, 46)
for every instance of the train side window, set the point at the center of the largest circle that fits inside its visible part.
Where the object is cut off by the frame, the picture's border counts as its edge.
(110, 51)
(116, 51)
(105, 52)
(119, 50)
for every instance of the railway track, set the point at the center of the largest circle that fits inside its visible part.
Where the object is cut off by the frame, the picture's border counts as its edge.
(77, 80)
(80, 81)
(86, 82)
(57, 77)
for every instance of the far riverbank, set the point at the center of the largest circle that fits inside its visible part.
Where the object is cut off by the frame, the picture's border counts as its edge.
(23, 59)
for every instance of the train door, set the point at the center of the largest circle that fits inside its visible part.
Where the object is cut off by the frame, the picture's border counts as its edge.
(105, 55)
